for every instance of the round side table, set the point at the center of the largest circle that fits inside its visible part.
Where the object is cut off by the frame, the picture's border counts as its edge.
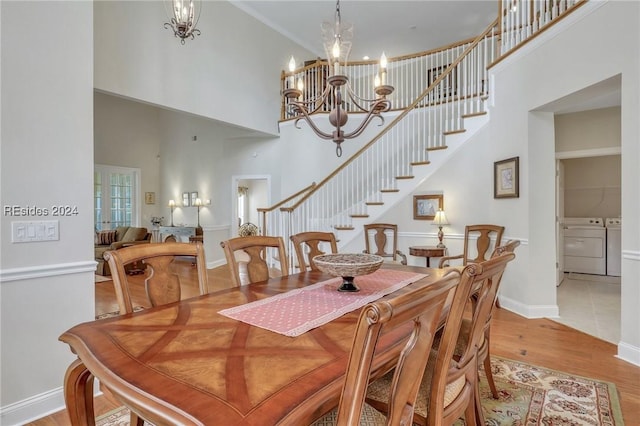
(427, 252)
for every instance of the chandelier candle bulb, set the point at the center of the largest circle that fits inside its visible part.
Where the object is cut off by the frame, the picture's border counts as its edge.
(292, 68)
(336, 57)
(383, 69)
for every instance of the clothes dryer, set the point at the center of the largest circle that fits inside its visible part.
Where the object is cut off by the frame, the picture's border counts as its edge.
(585, 245)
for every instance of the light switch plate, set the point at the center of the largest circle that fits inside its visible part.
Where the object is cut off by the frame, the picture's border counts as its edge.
(32, 231)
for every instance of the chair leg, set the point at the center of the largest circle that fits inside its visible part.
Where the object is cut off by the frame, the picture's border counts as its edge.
(135, 420)
(471, 415)
(487, 365)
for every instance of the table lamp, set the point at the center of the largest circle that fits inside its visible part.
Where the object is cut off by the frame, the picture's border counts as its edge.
(440, 220)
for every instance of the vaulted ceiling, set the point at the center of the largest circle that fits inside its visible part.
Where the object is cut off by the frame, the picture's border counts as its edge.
(397, 27)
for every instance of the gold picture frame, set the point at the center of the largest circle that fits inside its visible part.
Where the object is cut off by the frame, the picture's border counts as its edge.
(149, 197)
(426, 206)
(506, 178)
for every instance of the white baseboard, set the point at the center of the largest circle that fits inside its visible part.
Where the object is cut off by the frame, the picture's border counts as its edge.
(38, 406)
(629, 353)
(32, 408)
(529, 311)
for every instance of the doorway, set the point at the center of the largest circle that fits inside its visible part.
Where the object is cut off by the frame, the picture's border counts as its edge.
(116, 197)
(589, 185)
(248, 194)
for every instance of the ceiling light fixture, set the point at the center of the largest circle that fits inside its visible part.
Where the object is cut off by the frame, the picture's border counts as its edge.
(185, 18)
(337, 38)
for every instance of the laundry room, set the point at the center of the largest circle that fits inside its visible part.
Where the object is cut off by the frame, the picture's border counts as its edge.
(589, 208)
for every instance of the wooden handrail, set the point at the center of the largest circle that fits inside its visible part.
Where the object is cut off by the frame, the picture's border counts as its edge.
(265, 210)
(406, 111)
(570, 10)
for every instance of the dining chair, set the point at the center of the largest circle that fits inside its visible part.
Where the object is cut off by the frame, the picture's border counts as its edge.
(309, 243)
(250, 259)
(484, 350)
(419, 311)
(449, 386)
(162, 285)
(483, 235)
(382, 239)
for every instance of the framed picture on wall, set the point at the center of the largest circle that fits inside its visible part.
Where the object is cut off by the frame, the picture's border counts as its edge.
(426, 206)
(150, 197)
(194, 197)
(185, 199)
(506, 179)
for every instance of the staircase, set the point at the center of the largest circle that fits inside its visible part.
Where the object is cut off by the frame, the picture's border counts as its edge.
(429, 128)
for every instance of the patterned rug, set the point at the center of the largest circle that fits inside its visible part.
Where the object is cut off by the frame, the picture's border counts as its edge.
(529, 396)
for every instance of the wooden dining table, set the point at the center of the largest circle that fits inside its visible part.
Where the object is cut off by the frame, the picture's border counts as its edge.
(186, 364)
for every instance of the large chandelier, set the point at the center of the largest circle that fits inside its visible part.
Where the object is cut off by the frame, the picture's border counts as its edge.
(337, 38)
(184, 18)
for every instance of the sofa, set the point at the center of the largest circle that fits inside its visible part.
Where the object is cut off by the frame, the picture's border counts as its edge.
(115, 239)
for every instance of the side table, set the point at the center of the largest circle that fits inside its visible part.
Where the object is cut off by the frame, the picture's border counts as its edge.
(427, 252)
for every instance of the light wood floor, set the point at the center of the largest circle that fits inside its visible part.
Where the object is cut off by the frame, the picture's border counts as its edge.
(541, 342)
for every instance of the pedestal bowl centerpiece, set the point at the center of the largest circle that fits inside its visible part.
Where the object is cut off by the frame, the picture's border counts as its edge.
(348, 266)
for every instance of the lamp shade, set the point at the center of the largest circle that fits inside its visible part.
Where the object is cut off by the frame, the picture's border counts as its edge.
(440, 218)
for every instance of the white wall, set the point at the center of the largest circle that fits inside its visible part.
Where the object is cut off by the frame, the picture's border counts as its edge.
(47, 152)
(592, 50)
(227, 73)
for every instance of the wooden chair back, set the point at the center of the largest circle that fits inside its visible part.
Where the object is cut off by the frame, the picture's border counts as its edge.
(162, 285)
(309, 243)
(481, 280)
(419, 310)
(485, 236)
(249, 258)
(382, 239)
(508, 247)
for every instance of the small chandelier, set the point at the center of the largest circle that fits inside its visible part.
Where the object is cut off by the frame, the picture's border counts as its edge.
(184, 20)
(337, 38)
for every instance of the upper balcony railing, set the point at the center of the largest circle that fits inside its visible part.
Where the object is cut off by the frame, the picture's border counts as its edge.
(410, 75)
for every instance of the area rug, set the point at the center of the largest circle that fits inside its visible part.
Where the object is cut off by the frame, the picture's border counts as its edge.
(116, 313)
(529, 396)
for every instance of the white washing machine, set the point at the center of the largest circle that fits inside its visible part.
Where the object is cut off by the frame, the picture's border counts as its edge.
(614, 246)
(585, 240)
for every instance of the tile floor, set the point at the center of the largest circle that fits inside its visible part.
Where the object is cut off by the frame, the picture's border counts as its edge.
(591, 303)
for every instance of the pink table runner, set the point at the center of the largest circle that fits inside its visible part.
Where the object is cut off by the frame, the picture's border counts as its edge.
(300, 310)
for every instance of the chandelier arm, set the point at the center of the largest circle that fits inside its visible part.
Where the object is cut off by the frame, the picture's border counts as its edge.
(381, 105)
(317, 102)
(359, 101)
(365, 122)
(354, 96)
(313, 126)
